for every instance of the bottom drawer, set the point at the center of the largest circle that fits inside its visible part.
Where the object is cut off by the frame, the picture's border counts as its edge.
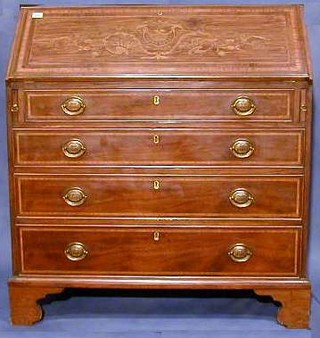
(160, 251)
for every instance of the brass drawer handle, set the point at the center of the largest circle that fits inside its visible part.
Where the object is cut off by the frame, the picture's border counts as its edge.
(75, 196)
(243, 106)
(74, 148)
(156, 100)
(240, 253)
(241, 198)
(73, 106)
(75, 251)
(242, 148)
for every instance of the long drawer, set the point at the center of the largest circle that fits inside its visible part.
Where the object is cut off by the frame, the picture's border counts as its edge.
(159, 147)
(160, 251)
(163, 196)
(159, 104)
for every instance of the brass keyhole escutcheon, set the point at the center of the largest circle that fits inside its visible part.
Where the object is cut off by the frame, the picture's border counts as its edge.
(156, 100)
(156, 139)
(241, 198)
(75, 196)
(243, 106)
(240, 253)
(242, 148)
(75, 251)
(156, 185)
(156, 236)
(73, 106)
(74, 148)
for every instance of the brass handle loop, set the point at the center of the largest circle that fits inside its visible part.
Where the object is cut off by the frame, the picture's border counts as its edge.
(75, 196)
(241, 198)
(242, 148)
(73, 106)
(240, 253)
(74, 148)
(75, 251)
(243, 106)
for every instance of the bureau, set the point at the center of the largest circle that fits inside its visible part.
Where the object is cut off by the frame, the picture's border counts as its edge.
(162, 148)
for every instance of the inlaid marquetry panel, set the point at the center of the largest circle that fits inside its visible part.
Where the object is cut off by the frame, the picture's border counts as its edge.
(163, 41)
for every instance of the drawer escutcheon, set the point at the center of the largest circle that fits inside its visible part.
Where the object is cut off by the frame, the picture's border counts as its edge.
(156, 236)
(156, 139)
(156, 185)
(156, 100)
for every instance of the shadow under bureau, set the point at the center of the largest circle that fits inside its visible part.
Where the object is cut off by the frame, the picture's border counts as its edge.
(160, 147)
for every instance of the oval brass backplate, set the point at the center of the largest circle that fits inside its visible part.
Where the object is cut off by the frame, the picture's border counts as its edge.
(241, 198)
(76, 251)
(243, 106)
(75, 196)
(242, 148)
(74, 148)
(240, 253)
(73, 105)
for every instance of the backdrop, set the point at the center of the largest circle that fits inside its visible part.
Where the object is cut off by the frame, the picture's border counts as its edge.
(8, 19)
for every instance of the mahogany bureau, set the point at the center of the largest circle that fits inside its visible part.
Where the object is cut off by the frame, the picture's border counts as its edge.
(160, 147)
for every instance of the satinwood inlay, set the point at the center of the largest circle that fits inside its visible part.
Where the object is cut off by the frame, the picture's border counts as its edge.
(160, 39)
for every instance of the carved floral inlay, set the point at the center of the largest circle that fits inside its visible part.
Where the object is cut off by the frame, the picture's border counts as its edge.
(159, 39)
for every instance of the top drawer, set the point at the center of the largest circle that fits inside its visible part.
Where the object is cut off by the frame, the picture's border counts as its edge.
(268, 105)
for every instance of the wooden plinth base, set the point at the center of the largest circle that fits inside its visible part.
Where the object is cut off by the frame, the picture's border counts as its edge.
(294, 296)
(25, 309)
(294, 312)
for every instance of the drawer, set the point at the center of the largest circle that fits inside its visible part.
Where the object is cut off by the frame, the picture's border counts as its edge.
(142, 104)
(160, 251)
(158, 147)
(163, 196)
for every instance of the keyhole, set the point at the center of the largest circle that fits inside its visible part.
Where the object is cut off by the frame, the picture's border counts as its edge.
(156, 100)
(156, 185)
(156, 236)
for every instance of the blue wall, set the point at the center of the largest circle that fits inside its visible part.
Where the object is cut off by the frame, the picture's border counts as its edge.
(8, 19)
